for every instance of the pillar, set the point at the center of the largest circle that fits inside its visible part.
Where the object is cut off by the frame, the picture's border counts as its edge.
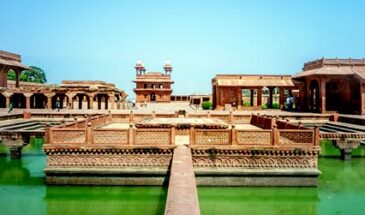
(362, 98)
(251, 97)
(271, 89)
(17, 74)
(112, 102)
(91, 102)
(239, 98)
(322, 94)
(259, 96)
(281, 98)
(7, 100)
(27, 101)
(15, 152)
(3, 76)
(49, 101)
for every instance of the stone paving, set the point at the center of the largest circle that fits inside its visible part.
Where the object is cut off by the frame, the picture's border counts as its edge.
(182, 196)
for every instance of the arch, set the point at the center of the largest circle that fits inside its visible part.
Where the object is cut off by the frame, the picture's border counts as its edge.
(153, 97)
(18, 100)
(38, 100)
(2, 101)
(81, 101)
(62, 98)
(102, 99)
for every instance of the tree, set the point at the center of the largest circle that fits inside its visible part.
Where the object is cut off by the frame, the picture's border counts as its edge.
(35, 74)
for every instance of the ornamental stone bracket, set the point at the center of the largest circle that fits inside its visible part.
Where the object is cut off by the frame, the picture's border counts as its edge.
(346, 147)
(15, 143)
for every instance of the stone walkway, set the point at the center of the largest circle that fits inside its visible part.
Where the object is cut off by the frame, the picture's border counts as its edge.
(182, 196)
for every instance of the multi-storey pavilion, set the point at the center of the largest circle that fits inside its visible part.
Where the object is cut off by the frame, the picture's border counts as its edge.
(333, 85)
(228, 89)
(153, 86)
(10, 61)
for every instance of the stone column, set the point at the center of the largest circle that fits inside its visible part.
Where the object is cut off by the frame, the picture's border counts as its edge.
(17, 74)
(49, 100)
(84, 102)
(281, 97)
(239, 98)
(322, 92)
(111, 102)
(3, 76)
(27, 100)
(70, 101)
(91, 102)
(362, 98)
(271, 89)
(251, 97)
(7, 99)
(259, 96)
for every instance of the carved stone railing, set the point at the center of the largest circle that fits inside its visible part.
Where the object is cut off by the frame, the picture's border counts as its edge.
(210, 137)
(274, 137)
(296, 137)
(66, 136)
(110, 136)
(154, 136)
(254, 137)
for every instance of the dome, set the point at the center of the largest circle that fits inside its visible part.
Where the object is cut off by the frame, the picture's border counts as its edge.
(139, 63)
(167, 63)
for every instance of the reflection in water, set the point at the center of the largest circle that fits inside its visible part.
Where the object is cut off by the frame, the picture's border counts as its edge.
(22, 191)
(105, 200)
(258, 200)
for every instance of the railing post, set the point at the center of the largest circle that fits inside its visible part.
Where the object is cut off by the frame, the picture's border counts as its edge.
(110, 116)
(131, 135)
(208, 114)
(131, 116)
(273, 122)
(89, 134)
(153, 114)
(192, 135)
(234, 135)
(316, 136)
(286, 123)
(230, 117)
(172, 135)
(48, 133)
(275, 136)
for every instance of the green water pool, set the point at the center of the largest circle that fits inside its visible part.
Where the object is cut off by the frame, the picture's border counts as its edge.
(341, 190)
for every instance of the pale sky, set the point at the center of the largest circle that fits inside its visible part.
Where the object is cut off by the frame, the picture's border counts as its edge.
(102, 40)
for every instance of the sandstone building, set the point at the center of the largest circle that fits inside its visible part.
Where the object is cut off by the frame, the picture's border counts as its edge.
(153, 86)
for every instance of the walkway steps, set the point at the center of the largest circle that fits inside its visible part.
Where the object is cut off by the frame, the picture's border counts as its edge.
(182, 196)
(18, 126)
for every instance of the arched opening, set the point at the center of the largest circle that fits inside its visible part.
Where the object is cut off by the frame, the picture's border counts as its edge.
(2, 101)
(249, 97)
(81, 101)
(38, 100)
(61, 98)
(102, 100)
(265, 97)
(314, 96)
(153, 97)
(18, 100)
